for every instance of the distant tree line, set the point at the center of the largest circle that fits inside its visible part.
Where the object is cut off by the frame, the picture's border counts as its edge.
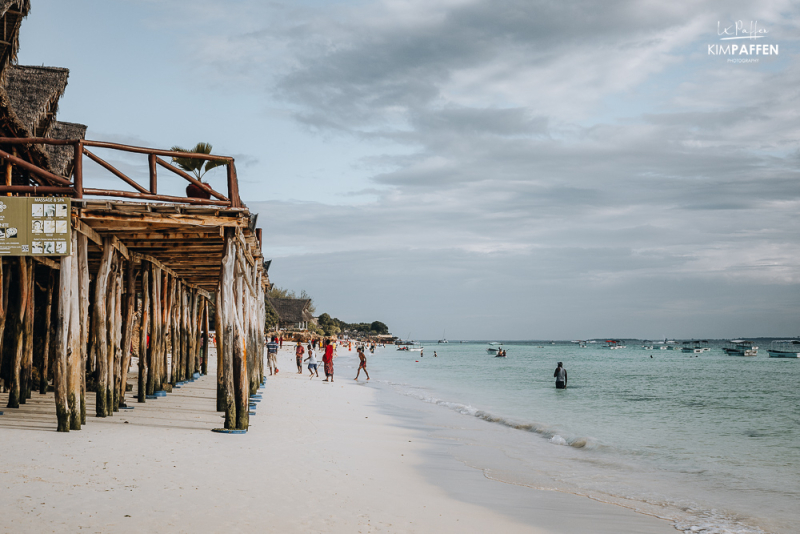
(328, 326)
(332, 326)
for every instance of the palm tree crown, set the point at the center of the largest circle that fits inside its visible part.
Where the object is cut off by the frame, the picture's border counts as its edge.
(197, 166)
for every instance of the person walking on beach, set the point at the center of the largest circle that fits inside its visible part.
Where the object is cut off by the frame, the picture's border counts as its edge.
(362, 364)
(312, 363)
(298, 352)
(560, 376)
(272, 356)
(327, 360)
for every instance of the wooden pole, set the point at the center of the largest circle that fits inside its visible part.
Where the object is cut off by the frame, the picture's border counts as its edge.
(48, 313)
(78, 169)
(219, 331)
(27, 359)
(144, 323)
(228, 310)
(240, 381)
(153, 375)
(164, 289)
(60, 368)
(111, 302)
(74, 367)
(101, 334)
(205, 336)
(83, 297)
(120, 373)
(14, 390)
(151, 160)
(5, 278)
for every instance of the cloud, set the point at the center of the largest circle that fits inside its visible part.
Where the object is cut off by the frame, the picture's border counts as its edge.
(585, 145)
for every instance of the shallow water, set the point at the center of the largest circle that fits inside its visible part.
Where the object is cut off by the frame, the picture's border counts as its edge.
(711, 442)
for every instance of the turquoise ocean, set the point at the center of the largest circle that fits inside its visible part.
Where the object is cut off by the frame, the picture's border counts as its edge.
(709, 441)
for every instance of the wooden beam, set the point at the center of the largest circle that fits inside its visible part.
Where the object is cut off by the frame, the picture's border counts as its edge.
(148, 196)
(30, 167)
(166, 219)
(156, 152)
(44, 260)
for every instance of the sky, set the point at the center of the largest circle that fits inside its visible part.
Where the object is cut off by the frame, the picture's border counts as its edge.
(479, 169)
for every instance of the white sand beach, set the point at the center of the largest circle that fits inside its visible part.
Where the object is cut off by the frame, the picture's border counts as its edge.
(319, 457)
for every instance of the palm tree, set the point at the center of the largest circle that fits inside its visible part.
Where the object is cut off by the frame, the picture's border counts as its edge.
(198, 167)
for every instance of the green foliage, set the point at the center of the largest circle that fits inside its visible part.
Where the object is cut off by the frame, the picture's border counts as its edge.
(333, 326)
(270, 317)
(198, 167)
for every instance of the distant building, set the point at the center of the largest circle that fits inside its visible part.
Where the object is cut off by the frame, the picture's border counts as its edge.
(293, 314)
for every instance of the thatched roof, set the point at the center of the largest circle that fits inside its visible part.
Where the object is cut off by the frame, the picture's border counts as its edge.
(34, 93)
(291, 310)
(61, 157)
(11, 14)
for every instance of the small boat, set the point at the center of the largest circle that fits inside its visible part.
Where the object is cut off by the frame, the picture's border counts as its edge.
(494, 347)
(740, 347)
(615, 344)
(444, 337)
(695, 347)
(784, 348)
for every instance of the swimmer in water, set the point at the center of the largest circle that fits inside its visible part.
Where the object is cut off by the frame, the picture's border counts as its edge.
(560, 376)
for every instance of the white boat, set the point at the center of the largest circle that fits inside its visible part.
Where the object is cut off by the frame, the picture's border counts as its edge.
(695, 347)
(444, 337)
(494, 346)
(615, 344)
(740, 347)
(784, 348)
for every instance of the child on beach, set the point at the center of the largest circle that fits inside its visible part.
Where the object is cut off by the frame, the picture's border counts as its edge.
(298, 352)
(362, 364)
(312, 364)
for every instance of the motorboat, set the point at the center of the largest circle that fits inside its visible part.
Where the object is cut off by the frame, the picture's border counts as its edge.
(784, 348)
(740, 347)
(494, 347)
(695, 347)
(615, 344)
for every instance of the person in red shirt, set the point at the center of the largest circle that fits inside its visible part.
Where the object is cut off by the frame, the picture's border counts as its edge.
(327, 359)
(298, 352)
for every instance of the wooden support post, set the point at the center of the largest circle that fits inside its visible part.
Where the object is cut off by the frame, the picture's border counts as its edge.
(240, 382)
(205, 337)
(171, 309)
(48, 314)
(119, 373)
(219, 331)
(83, 298)
(164, 290)
(14, 391)
(154, 371)
(5, 278)
(100, 334)
(187, 375)
(111, 367)
(144, 323)
(228, 311)
(191, 332)
(74, 367)
(60, 364)
(27, 358)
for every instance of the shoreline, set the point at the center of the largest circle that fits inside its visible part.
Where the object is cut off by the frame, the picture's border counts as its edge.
(318, 458)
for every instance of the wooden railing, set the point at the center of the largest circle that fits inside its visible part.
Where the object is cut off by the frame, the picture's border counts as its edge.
(52, 184)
